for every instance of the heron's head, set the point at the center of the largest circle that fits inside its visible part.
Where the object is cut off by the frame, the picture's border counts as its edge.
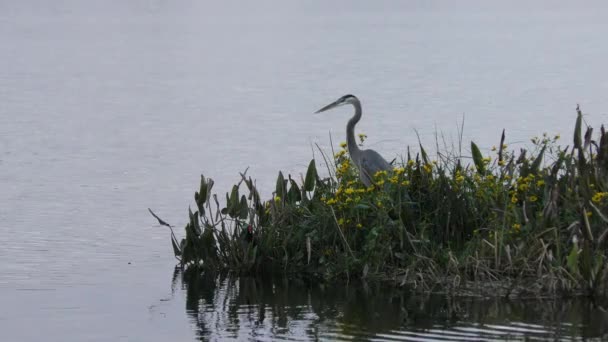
(346, 99)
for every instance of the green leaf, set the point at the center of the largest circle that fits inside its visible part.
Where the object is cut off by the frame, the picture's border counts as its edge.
(243, 208)
(196, 228)
(572, 261)
(538, 160)
(311, 176)
(233, 204)
(578, 141)
(176, 250)
(280, 190)
(477, 159)
(425, 157)
(294, 194)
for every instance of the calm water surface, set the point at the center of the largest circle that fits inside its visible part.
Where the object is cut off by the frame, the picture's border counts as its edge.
(279, 309)
(110, 107)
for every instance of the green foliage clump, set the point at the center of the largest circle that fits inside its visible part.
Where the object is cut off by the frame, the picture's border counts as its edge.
(538, 217)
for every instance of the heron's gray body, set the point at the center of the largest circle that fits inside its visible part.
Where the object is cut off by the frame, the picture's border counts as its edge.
(367, 161)
(371, 162)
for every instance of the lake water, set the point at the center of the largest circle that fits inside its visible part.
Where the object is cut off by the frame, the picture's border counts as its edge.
(110, 107)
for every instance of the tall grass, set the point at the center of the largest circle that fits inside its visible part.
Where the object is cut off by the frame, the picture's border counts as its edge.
(529, 221)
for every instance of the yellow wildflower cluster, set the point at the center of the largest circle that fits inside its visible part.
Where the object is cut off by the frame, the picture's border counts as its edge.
(399, 170)
(524, 183)
(545, 139)
(345, 195)
(428, 168)
(599, 197)
(343, 168)
(516, 227)
(459, 178)
(343, 145)
(380, 174)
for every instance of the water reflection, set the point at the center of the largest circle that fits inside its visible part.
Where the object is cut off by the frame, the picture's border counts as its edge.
(224, 306)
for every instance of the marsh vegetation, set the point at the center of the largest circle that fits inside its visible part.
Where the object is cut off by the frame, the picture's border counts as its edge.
(533, 221)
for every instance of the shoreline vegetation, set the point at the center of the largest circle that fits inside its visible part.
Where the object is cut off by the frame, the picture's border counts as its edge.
(527, 223)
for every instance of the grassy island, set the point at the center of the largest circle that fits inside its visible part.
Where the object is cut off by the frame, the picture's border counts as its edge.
(513, 223)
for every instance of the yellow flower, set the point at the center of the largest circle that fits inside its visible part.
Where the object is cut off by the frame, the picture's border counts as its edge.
(394, 179)
(341, 221)
(359, 225)
(504, 146)
(540, 183)
(516, 227)
(277, 198)
(589, 214)
(533, 198)
(557, 137)
(341, 153)
(514, 199)
(490, 177)
(399, 170)
(349, 191)
(459, 178)
(331, 201)
(599, 196)
(380, 182)
(501, 162)
(523, 187)
(410, 163)
(493, 148)
(428, 168)
(380, 174)
(343, 144)
(405, 183)
(486, 160)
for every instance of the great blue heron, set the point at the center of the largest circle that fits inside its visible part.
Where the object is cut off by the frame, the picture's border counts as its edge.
(367, 161)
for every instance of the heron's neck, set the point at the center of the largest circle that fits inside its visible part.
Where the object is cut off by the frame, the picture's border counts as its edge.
(353, 149)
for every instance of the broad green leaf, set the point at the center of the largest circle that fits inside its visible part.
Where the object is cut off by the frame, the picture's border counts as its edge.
(194, 222)
(538, 160)
(477, 159)
(243, 208)
(280, 189)
(311, 176)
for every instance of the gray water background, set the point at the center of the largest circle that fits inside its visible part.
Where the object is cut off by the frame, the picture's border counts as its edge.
(110, 107)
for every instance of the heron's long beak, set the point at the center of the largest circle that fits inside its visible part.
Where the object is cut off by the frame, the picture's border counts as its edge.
(328, 107)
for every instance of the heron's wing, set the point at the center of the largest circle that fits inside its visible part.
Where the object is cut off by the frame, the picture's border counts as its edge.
(372, 162)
